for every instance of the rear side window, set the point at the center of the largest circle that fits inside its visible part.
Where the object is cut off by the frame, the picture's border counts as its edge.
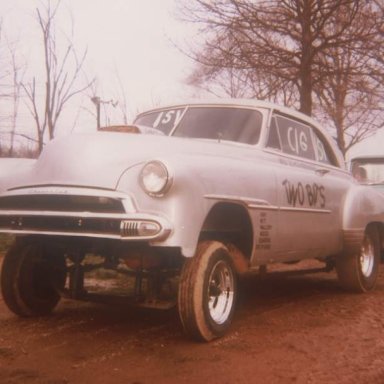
(324, 154)
(295, 138)
(273, 138)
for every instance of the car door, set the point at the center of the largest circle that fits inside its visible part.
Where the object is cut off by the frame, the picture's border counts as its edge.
(305, 193)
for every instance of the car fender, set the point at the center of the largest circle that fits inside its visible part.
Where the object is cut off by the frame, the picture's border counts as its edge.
(194, 192)
(363, 205)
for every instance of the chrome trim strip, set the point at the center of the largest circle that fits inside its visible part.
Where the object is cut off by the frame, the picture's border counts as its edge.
(305, 210)
(242, 199)
(160, 236)
(127, 200)
(85, 215)
(263, 207)
(62, 190)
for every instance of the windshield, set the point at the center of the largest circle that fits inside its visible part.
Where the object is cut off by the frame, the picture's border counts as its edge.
(368, 171)
(217, 123)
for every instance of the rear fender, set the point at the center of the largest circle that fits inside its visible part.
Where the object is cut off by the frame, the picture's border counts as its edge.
(363, 205)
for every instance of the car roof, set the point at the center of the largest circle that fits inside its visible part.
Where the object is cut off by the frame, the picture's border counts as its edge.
(255, 103)
(368, 157)
(232, 102)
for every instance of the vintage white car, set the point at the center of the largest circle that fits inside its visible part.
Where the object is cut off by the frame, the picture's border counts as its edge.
(186, 200)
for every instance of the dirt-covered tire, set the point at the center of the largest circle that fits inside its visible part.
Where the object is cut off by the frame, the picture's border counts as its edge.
(358, 271)
(207, 292)
(31, 278)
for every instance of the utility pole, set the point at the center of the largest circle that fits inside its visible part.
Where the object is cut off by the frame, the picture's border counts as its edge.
(97, 101)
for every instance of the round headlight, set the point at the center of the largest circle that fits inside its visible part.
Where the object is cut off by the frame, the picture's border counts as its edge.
(155, 178)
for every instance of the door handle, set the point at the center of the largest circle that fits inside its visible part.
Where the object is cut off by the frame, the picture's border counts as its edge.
(321, 171)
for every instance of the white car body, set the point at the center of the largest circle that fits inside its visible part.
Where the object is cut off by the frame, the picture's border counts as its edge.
(271, 183)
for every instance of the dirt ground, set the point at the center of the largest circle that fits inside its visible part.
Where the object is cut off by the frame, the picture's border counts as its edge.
(287, 330)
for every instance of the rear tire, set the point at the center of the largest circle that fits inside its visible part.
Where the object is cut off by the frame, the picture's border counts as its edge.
(31, 278)
(358, 271)
(207, 292)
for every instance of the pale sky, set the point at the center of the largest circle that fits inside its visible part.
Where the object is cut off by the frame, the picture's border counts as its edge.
(132, 39)
(374, 145)
(136, 37)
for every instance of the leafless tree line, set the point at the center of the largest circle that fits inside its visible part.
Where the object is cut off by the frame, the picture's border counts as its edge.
(10, 87)
(46, 93)
(324, 57)
(61, 77)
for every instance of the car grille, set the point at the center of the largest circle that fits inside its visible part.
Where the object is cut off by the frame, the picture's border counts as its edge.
(76, 215)
(62, 203)
(78, 225)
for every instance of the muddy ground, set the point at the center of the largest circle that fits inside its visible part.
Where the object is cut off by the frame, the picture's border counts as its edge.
(287, 330)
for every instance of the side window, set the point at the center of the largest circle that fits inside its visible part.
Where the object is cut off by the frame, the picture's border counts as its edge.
(296, 138)
(322, 151)
(273, 138)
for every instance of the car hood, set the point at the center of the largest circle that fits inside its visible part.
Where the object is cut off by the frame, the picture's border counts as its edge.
(98, 160)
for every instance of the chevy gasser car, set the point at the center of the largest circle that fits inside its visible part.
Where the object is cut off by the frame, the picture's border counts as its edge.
(186, 200)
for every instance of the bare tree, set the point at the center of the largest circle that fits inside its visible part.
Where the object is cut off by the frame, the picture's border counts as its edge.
(62, 73)
(292, 51)
(350, 86)
(12, 72)
(17, 75)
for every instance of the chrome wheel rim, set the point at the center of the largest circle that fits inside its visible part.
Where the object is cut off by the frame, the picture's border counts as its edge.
(367, 258)
(221, 287)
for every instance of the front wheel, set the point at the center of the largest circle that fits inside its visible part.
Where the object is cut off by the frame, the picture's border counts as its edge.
(31, 278)
(358, 271)
(207, 292)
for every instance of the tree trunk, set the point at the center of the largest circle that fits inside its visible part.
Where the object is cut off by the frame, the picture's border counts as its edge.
(305, 75)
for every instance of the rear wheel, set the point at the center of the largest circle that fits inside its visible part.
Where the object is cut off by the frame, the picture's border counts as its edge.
(207, 292)
(358, 271)
(31, 278)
